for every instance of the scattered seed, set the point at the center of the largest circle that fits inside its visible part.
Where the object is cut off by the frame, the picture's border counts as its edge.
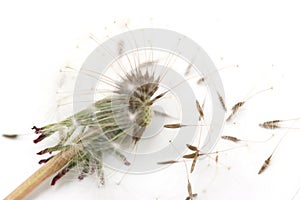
(167, 162)
(192, 148)
(200, 110)
(191, 155)
(238, 105)
(194, 162)
(234, 109)
(230, 138)
(221, 99)
(11, 136)
(173, 125)
(217, 157)
(190, 190)
(270, 124)
(265, 165)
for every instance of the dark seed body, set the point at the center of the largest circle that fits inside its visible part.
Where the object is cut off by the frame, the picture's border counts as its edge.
(13, 136)
(265, 165)
(230, 138)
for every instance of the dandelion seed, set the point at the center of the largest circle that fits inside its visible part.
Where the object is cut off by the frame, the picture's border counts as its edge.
(178, 125)
(191, 155)
(270, 124)
(173, 125)
(217, 157)
(192, 148)
(196, 154)
(265, 165)
(238, 105)
(11, 136)
(222, 102)
(200, 110)
(189, 187)
(268, 160)
(230, 138)
(234, 109)
(167, 162)
(274, 124)
(194, 162)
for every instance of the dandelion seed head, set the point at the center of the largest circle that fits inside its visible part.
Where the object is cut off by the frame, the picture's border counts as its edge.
(122, 129)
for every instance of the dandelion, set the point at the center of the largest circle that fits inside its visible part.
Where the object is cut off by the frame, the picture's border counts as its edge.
(131, 86)
(97, 124)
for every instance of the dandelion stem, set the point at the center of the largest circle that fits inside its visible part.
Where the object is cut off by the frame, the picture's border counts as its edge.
(51, 167)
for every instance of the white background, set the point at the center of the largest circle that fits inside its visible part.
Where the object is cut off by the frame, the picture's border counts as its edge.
(262, 37)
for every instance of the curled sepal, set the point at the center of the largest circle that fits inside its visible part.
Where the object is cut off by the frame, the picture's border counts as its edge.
(45, 160)
(63, 172)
